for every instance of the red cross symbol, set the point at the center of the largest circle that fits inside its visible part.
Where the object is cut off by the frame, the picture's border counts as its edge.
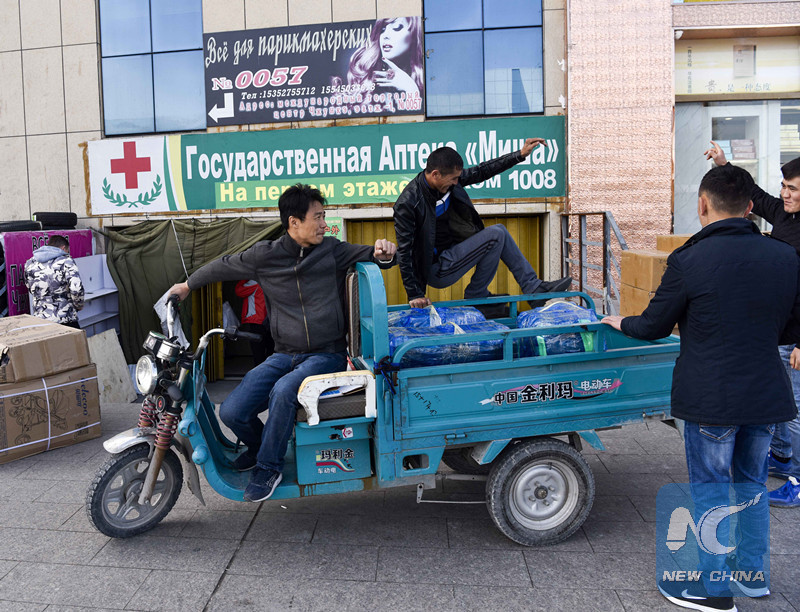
(130, 165)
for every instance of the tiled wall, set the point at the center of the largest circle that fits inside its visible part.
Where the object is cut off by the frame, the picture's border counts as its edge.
(49, 102)
(620, 113)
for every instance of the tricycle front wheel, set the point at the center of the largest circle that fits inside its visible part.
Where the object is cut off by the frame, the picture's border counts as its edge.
(540, 492)
(112, 501)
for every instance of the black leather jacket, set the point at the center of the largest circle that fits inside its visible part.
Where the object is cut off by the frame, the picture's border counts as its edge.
(415, 219)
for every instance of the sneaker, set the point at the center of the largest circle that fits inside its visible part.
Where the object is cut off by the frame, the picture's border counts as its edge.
(751, 588)
(262, 484)
(494, 311)
(562, 284)
(745, 581)
(685, 599)
(777, 468)
(244, 462)
(788, 496)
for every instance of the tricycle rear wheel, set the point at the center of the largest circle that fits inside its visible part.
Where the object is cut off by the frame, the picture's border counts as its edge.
(112, 501)
(540, 492)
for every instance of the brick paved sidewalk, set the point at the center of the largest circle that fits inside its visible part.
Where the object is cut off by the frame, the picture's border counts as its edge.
(373, 550)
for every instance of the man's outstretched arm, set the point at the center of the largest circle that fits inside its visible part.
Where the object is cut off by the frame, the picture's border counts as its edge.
(488, 169)
(764, 205)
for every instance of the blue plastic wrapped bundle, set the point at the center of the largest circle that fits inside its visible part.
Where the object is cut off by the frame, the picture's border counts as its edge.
(413, 317)
(557, 313)
(433, 316)
(442, 354)
(482, 350)
(460, 315)
(424, 355)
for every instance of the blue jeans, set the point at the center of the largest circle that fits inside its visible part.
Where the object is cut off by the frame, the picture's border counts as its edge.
(719, 455)
(786, 441)
(484, 251)
(273, 385)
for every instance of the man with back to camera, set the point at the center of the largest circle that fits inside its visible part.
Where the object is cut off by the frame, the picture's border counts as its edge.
(440, 235)
(733, 305)
(782, 213)
(304, 271)
(54, 283)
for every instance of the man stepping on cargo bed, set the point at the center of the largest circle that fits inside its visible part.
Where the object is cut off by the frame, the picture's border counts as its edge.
(440, 235)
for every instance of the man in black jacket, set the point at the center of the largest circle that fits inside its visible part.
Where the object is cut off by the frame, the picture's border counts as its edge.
(783, 214)
(303, 278)
(735, 296)
(440, 235)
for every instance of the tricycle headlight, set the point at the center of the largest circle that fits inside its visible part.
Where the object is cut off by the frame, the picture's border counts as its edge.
(146, 374)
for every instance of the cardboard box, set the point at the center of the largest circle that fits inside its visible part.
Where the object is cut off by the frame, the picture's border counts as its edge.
(633, 300)
(38, 415)
(31, 347)
(670, 242)
(643, 268)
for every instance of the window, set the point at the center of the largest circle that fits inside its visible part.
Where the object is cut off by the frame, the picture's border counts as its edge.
(757, 135)
(152, 65)
(483, 57)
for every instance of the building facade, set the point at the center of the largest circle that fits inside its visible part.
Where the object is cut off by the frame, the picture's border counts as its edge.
(615, 70)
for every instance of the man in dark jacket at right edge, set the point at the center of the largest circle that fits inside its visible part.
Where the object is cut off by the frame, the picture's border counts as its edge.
(440, 235)
(735, 296)
(784, 215)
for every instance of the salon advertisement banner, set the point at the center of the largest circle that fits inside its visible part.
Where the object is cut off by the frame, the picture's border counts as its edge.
(350, 69)
(351, 165)
(18, 247)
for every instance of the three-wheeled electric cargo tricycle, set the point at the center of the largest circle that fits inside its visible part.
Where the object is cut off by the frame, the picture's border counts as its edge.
(520, 421)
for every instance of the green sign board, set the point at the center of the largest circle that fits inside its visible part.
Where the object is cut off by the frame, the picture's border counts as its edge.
(365, 164)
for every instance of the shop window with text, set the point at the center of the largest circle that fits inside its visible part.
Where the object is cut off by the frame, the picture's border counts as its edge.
(152, 66)
(483, 57)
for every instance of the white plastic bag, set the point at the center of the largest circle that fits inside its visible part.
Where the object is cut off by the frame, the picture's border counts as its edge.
(161, 310)
(229, 318)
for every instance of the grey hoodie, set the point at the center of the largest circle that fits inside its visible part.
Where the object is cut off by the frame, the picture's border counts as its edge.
(303, 287)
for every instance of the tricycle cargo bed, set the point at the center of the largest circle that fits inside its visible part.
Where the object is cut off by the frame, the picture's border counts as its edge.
(622, 380)
(560, 393)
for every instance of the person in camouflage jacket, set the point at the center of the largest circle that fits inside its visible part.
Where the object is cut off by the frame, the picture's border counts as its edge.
(54, 284)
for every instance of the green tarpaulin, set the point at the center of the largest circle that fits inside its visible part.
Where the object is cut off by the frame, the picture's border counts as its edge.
(147, 259)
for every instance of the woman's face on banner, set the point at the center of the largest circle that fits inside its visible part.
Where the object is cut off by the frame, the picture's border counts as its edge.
(395, 39)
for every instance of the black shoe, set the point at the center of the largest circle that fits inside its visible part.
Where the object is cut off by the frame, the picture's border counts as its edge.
(494, 311)
(685, 599)
(262, 484)
(244, 462)
(556, 286)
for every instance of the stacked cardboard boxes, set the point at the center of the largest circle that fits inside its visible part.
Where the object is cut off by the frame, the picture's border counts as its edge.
(48, 387)
(670, 242)
(641, 272)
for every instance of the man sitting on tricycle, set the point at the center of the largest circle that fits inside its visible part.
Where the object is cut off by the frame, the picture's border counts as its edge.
(302, 274)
